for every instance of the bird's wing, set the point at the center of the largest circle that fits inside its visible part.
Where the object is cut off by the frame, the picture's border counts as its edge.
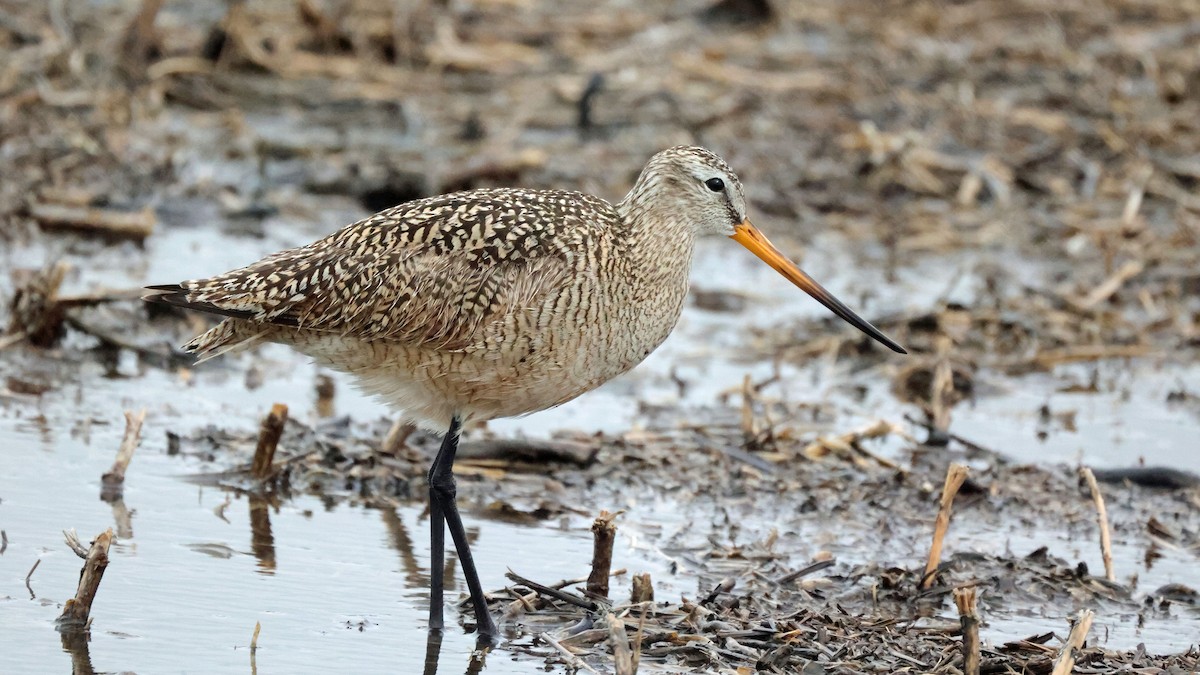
(432, 272)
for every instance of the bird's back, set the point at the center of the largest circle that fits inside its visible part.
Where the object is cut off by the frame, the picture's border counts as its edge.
(433, 271)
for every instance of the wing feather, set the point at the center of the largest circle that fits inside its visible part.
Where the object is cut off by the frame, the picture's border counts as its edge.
(433, 272)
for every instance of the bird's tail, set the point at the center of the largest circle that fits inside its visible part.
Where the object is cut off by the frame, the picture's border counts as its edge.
(230, 335)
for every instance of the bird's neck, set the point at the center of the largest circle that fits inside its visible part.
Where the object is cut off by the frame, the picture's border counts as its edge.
(655, 238)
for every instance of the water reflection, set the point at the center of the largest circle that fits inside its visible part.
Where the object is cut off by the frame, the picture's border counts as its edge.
(262, 541)
(414, 573)
(433, 652)
(75, 643)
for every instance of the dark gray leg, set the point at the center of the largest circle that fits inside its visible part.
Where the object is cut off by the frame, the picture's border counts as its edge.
(444, 510)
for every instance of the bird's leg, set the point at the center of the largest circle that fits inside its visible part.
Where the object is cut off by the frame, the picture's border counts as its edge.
(437, 557)
(442, 507)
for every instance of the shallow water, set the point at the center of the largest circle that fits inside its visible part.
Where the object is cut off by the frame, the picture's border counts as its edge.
(340, 585)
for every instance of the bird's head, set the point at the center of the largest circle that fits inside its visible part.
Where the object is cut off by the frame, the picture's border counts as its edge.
(704, 192)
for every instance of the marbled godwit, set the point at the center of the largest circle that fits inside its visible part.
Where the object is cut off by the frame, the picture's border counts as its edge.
(491, 303)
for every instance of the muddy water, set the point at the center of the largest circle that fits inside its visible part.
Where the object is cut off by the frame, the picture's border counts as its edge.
(335, 585)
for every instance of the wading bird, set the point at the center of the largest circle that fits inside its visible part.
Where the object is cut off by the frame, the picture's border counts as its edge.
(490, 303)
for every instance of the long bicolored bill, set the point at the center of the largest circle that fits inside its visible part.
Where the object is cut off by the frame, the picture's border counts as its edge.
(749, 236)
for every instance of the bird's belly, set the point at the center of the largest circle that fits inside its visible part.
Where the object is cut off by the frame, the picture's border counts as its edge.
(523, 365)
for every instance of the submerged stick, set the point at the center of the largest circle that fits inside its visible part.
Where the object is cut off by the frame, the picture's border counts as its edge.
(955, 476)
(1102, 517)
(76, 611)
(268, 440)
(968, 617)
(1065, 662)
(30, 576)
(115, 476)
(604, 532)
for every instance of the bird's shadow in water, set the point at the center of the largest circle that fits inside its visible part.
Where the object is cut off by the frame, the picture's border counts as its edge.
(433, 652)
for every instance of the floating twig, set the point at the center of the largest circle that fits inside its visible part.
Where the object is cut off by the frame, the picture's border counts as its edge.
(955, 476)
(1065, 662)
(76, 611)
(1102, 518)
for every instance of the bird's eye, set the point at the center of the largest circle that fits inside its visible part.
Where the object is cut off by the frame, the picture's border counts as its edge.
(715, 184)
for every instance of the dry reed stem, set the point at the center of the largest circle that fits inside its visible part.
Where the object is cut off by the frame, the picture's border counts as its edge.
(942, 386)
(955, 476)
(748, 426)
(76, 611)
(115, 476)
(619, 640)
(268, 440)
(397, 436)
(325, 393)
(604, 532)
(1065, 662)
(643, 589)
(133, 224)
(641, 631)
(72, 539)
(572, 660)
(1102, 518)
(1107, 288)
(968, 617)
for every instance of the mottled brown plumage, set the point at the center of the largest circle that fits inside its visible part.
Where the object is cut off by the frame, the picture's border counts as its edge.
(486, 303)
(490, 303)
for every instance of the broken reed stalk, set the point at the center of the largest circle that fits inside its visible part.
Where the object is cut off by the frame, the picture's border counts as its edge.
(968, 618)
(619, 640)
(132, 224)
(572, 660)
(268, 440)
(115, 477)
(75, 612)
(641, 632)
(604, 532)
(1102, 517)
(942, 386)
(643, 589)
(1065, 662)
(397, 436)
(955, 476)
(325, 391)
